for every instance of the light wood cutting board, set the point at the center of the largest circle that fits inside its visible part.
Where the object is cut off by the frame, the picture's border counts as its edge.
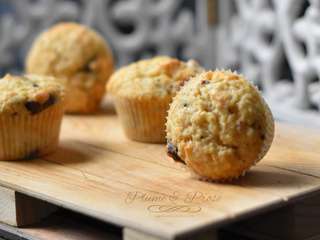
(98, 172)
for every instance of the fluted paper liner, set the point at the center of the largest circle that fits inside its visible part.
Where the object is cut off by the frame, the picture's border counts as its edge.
(143, 119)
(27, 136)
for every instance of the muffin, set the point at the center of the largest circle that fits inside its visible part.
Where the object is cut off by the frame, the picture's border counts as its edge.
(142, 92)
(219, 126)
(79, 57)
(31, 109)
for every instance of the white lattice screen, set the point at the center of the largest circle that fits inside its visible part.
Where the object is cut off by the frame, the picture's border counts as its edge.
(275, 43)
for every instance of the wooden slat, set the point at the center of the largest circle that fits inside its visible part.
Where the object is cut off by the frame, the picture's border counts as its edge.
(130, 234)
(299, 221)
(18, 209)
(100, 173)
(62, 225)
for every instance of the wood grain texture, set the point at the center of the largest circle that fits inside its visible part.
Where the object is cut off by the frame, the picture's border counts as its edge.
(130, 234)
(8, 206)
(17, 209)
(100, 173)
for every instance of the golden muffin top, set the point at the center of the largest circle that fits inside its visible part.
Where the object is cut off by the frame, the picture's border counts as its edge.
(221, 115)
(29, 94)
(72, 52)
(160, 76)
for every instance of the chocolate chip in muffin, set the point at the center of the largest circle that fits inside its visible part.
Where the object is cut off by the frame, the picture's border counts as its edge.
(181, 83)
(232, 109)
(35, 85)
(87, 68)
(35, 107)
(203, 82)
(172, 152)
(51, 100)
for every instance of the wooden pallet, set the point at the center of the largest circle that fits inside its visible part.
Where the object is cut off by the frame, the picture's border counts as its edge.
(96, 171)
(298, 221)
(62, 225)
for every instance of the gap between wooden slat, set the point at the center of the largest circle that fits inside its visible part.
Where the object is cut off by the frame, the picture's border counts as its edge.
(292, 170)
(102, 148)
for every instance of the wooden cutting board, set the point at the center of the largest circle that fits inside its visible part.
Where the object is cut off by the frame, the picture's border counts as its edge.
(98, 172)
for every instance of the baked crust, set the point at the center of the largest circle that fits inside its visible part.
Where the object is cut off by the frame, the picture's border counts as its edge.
(29, 94)
(160, 77)
(220, 125)
(79, 57)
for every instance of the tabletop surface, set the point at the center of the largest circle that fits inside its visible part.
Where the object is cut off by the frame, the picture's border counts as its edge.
(98, 172)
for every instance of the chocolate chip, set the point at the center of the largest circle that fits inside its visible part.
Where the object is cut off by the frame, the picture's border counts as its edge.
(35, 107)
(181, 84)
(35, 85)
(32, 155)
(256, 125)
(185, 104)
(232, 109)
(172, 152)
(203, 82)
(262, 137)
(87, 68)
(51, 100)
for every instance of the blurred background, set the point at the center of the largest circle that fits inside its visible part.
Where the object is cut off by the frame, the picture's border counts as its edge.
(276, 44)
